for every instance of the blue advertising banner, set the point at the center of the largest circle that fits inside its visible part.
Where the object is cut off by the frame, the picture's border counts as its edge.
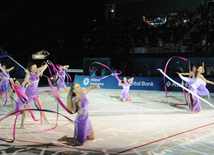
(139, 83)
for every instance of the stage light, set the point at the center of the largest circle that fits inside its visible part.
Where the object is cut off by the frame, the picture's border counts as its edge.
(40, 55)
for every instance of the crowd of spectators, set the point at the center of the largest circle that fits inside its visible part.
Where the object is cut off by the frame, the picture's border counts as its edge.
(183, 31)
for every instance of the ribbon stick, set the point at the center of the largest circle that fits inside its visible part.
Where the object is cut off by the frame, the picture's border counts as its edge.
(185, 88)
(164, 77)
(21, 65)
(16, 62)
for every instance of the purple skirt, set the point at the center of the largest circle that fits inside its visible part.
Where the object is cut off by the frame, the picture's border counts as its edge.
(60, 83)
(124, 95)
(19, 105)
(195, 103)
(5, 86)
(82, 128)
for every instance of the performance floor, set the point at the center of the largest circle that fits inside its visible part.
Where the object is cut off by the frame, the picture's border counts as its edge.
(152, 127)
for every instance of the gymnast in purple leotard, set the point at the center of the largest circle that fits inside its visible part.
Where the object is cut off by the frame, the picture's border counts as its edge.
(32, 89)
(77, 101)
(19, 105)
(61, 79)
(197, 84)
(194, 69)
(126, 86)
(5, 83)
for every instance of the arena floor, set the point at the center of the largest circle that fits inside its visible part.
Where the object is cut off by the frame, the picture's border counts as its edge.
(151, 127)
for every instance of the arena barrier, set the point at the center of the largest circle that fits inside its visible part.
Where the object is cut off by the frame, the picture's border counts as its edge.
(139, 83)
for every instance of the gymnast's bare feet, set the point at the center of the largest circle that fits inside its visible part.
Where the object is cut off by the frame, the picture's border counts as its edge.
(64, 138)
(47, 120)
(11, 112)
(69, 139)
(22, 127)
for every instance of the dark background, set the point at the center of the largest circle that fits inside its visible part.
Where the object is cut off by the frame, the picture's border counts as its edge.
(59, 27)
(56, 26)
(152, 7)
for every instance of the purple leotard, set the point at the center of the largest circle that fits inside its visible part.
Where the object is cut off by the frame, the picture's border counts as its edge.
(60, 81)
(82, 123)
(125, 91)
(19, 105)
(32, 89)
(5, 84)
(198, 86)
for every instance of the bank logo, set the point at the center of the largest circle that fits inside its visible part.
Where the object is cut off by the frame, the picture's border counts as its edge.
(171, 84)
(141, 83)
(168, 84)
(86, 81)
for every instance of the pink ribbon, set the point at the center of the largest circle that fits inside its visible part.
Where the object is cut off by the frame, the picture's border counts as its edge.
(67, 75)
(22, 96)
(115, 75)
(18, 112)
(164, 77)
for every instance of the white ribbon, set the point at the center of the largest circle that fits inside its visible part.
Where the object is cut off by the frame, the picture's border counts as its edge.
(185, 88)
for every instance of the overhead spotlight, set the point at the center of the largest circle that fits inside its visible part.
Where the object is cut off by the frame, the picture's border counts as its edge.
(40, 55)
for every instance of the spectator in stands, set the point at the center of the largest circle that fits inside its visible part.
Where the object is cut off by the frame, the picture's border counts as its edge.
(144, 71)
(123, 34)
(204, 44)
(94, 71)
(160, 42)
(209, 69)
(103, 71)
(210, 28)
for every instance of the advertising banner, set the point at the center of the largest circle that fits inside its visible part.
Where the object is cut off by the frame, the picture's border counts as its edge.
(139, 83)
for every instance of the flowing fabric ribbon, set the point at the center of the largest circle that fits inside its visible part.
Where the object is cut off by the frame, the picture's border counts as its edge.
(53, 90)
(182, 81)
(113, 73)
(59, 101)
(21, 95)
(19, 111)
(56, 96)
(185, 88)
(41, 110)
